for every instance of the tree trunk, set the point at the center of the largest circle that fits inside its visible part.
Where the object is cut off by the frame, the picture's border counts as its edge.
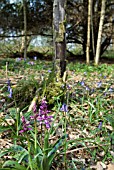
(113, 39)
(28, 40)
(25, 28)
(98, 48)
(59, 36)
(88, 32)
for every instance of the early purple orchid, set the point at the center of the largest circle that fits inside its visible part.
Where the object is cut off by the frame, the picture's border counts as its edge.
(26, 125)
(43, 117)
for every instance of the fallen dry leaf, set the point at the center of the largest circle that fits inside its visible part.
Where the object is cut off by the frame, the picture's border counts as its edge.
(110, 167)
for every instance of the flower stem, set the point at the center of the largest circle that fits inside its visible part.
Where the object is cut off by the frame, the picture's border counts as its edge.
(30, 163)
(35, 142)
(41, 137)
(65, 146)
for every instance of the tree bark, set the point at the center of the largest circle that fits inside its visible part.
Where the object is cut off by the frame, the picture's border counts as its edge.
(28, 40)
(25, 28)
(59, 35)
(88, 32)
(98, 48)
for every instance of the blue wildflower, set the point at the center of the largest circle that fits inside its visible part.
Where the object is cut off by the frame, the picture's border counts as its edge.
(99, 84)
(82, 83)
(100, 125)
(9, 82)
(31, 63)
(49, 71)
(87, 88)
(64, 108)
(9, 88)
(10, 92)
(35, 58)
(92, 90)
(110, 89)
(18, 59)
(85, 73)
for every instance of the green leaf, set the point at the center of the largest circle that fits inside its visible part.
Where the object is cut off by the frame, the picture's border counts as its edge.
(17, 148)
(3, 128)
(52, 153)
(45, 163)
(6, 169)
(46, 143)
(4, 153)
(13, 164)
(20, 156)
(38, 144)
(110, 118)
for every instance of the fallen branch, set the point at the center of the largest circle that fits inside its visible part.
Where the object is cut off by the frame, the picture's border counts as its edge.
(86, 147)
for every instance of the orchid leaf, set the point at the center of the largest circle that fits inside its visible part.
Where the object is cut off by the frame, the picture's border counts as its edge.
(13, 164)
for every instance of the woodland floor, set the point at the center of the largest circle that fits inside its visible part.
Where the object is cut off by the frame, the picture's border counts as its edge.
(90, 104)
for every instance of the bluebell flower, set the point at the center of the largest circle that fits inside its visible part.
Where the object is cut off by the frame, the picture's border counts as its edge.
(110, 90)
(9, 88)
(99, 84)
(49, 71)
(25, 59)
(100, 125)
(10, 92)
(87, 88)
(35, 58)
(18, 59)
(92, 90)
(64, 108)
(9, 82)
(31, 63)
(82, 83)
(68, 86)
(85, 73)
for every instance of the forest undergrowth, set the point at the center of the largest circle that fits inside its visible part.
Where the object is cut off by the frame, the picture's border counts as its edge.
(51, 123)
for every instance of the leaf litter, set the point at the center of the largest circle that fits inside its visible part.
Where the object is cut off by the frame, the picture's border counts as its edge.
(89, 119)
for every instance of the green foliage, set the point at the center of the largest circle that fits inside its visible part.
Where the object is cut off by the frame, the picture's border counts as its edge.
(89, 122)
(13, 165)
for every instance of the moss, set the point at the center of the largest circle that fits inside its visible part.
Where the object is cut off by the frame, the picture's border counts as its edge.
(60, 35)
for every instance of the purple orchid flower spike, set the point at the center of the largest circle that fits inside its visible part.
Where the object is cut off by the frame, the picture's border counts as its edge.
(26, 125)
(43, 117)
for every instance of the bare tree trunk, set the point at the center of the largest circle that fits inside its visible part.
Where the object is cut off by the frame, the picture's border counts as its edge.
(28, 40)
(113, 39)
(98, 48)
(88, 31)
(59, 36)
(25, 28)
(92, 32)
